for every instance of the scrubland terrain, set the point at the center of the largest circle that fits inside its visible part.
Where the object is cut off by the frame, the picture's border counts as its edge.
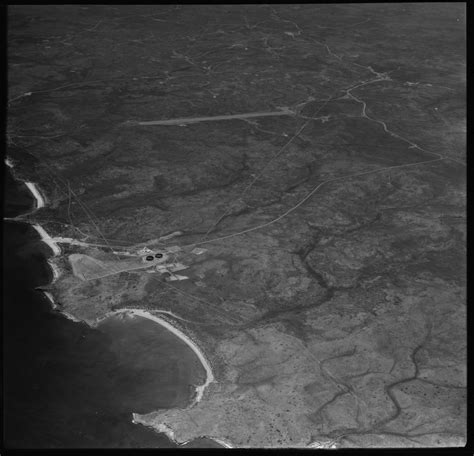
(331, 299)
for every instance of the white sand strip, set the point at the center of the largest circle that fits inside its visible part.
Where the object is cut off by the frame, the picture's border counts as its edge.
(38, 197)
(47, 239)
(56, 270)
(222, 442)
(209, 375)
(51, 299)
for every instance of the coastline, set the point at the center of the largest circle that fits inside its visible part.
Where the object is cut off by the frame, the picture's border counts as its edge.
(51, 299)
(55, 269)
(47, 239)
(165, 429)
(222, 442)
(178, 333)
(58, 309)
(40, 202)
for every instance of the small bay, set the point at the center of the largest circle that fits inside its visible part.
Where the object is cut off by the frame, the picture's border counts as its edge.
(67, 385)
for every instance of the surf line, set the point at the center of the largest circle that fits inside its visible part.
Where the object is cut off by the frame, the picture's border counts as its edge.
(220, 441)
(40, 202)
(194, 347)
(165, 429)
(49, 241)
(56, 308)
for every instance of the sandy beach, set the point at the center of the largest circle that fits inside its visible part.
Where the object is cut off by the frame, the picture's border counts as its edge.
(51, 299)
(144, 314)
(51, 242)
(55, 269)
(47, 239)
(40, 202)
(222, 442)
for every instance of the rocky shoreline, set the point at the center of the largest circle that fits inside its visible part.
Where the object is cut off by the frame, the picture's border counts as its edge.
(40, 202)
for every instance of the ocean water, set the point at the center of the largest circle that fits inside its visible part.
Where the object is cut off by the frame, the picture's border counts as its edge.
(70, 386)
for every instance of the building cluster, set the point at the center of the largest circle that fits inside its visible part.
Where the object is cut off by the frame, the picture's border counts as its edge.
(163, 265)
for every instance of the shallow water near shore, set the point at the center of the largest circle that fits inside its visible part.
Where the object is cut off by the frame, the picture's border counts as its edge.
(67, 385)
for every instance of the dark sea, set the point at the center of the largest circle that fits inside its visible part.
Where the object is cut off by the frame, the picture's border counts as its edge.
(67, 385)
